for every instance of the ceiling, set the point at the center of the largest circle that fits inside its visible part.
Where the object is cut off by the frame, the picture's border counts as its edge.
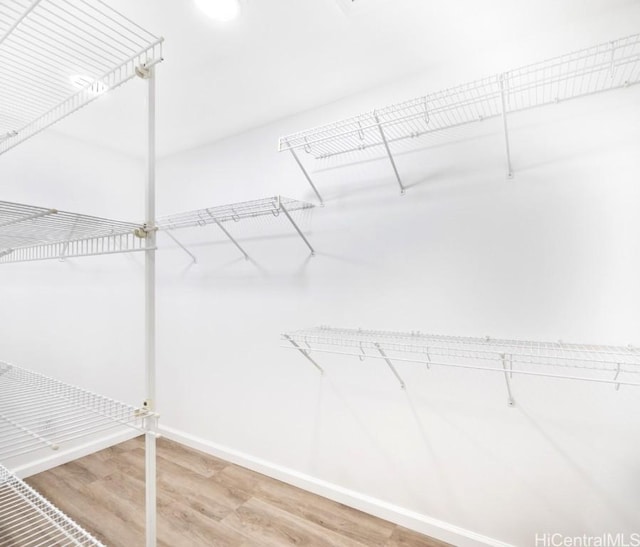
(286, 56)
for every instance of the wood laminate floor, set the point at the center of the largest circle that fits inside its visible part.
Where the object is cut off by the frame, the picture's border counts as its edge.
(204, 501)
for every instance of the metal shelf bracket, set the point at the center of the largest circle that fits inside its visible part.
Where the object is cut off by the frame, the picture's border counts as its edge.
(503, 79)
(386, 146)
(393, 369)
(233, 240)
(282, 208)
(508, 374)
(306, 175)
(304, 352)
(183, 247)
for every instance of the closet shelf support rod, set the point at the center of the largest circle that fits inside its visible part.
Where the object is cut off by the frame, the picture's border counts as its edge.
(305, 353)
(179, 244)
(306, 174)
(233, 239)
(282, 208)
(386, 145)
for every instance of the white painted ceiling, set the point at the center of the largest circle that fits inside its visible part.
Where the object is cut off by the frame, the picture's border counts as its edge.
(286, 56)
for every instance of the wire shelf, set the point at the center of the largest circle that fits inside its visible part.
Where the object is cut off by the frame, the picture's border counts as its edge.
(235, 212)
(232, 212)
(27, 518)
(606, 364)
(38, 412)
(600, 68)
(57, 56)
(36, 233)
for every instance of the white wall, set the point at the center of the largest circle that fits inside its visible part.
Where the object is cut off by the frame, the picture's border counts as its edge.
(552, 254)
(81, 320)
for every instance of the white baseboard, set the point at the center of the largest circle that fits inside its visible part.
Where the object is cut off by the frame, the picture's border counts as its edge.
(382, 509)
(60, 458)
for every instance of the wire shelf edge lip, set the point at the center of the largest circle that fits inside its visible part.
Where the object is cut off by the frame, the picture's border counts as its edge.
(37, 233)
(605, 66)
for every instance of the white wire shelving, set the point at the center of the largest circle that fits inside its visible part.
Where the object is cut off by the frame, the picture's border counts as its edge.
(56, 56)
(589, 71)
(615, 365)
(40, 413)
(27, 518)
(235, 212)
(29, 233)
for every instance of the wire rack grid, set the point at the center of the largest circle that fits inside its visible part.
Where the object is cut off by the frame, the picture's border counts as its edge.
(27, 518)
(271, 206)
(37, 233)
(600, 68)
(38, 412)
(57, 56)
(608, 364)
(235, 212)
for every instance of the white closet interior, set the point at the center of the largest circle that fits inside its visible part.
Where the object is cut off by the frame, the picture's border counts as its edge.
(408, 426)
(56, 57)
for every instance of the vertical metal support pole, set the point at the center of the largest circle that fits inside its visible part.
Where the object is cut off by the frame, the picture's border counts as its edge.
(150, 313)
(386, 145)
(246, 256)
(284, 210)
(510, 400)
(503, 100)
(304, 352)
(295, 157)
(393, 369)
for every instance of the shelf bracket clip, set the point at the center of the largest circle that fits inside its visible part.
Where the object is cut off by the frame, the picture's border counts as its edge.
(388, 361)
(144, 72)
(8, 135)
(304, 352)
(386, 145)
(508, 374)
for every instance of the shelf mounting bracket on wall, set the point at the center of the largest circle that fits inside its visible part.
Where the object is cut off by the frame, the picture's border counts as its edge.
(282, 208)
(616, 376)
(306, 175)
(388, 361)
(502, 78)
(63, 253)
(304, 352)
(183, 247)
(386, 145)
(507, 376)
(233, 240)
(236, 212)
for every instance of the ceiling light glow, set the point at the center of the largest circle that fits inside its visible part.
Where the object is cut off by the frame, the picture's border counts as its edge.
(219, 10)
(93, 86)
